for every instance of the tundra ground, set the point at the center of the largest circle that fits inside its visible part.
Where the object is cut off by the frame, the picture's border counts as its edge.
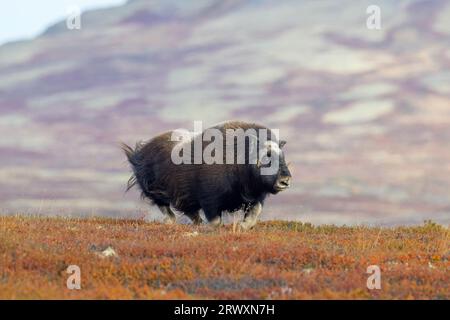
(130, 259)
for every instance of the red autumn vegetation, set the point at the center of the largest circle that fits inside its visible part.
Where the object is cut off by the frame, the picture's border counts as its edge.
(276, 260)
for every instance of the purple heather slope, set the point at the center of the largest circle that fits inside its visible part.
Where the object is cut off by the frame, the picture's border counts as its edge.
(366, 112)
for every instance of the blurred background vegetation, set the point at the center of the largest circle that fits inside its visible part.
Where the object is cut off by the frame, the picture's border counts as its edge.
(366, 113)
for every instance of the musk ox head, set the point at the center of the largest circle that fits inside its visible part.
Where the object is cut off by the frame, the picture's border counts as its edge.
(271, 166)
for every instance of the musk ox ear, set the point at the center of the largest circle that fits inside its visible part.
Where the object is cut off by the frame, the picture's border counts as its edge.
(282, 143)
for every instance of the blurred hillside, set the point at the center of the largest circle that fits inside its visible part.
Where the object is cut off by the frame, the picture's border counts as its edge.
(366, 112)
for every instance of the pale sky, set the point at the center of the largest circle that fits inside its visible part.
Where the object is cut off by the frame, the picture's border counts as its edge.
(22, 19)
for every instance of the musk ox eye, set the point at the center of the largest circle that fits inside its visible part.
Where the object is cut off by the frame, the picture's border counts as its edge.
(266, 160)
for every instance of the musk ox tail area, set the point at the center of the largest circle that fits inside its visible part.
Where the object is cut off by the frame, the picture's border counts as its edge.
(134, 156)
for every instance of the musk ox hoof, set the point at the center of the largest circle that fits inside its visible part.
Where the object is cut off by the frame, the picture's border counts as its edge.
(169, 220)
(216, 222)
(197, 222)
(195, 219)
(247, 225)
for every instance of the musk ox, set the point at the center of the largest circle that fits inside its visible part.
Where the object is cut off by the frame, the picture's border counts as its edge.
(237, 182)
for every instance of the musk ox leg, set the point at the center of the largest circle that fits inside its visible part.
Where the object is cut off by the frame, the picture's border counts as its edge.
(213, 214)
(195, 217)
(170, 217)
(251, 216)
(217, 221)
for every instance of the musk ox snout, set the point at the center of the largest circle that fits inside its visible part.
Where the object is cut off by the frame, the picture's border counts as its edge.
(283, 182)
(285, 177)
